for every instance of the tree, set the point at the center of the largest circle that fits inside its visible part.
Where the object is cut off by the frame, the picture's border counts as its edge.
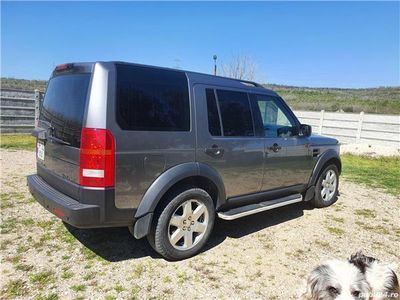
(240, 67)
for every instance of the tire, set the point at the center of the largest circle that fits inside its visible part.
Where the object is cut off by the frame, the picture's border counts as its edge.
(183, 225)
(325, 198)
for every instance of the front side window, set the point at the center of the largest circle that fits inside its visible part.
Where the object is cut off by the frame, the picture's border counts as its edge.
(150, 99)
(277, 122)
(235, 113)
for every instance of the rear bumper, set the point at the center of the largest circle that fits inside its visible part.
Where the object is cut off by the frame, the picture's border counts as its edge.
(81, 215)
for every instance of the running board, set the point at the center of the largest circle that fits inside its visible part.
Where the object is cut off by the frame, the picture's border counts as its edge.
(251, 209)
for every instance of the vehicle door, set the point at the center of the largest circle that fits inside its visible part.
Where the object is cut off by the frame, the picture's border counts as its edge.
(288, 158)
(226, 138)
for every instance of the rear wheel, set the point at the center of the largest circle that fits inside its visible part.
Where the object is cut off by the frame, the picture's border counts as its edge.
(184, 225)
(326, 189)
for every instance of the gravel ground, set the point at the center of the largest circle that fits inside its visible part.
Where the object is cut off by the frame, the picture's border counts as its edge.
(369, 150)
(264, 256)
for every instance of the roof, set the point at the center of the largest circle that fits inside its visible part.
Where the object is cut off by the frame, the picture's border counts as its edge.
(202, 78)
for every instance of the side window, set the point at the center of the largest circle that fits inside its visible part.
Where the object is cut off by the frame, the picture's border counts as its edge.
(235, 113)
(214, 125)
(277, 122)
(152, 99)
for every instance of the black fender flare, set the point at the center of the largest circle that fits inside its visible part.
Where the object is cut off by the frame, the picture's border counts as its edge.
(153, 195)
(322, 160)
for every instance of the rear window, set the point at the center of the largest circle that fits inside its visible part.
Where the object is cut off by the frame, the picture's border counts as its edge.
(150, 99)
(64, 106)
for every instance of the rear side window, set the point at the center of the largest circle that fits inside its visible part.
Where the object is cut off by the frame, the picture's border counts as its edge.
(150, 99)
(235, 113)
(64, 105)
(214, 125)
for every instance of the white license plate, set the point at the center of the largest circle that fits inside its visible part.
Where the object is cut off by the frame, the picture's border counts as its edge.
(40, 151)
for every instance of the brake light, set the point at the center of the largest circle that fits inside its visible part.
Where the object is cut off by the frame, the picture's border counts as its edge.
(64, 67)
(97, 158)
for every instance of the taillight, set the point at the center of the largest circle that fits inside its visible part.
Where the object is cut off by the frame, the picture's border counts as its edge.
(97, 158)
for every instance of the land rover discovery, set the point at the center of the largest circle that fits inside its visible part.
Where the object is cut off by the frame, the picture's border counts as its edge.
(165, 152)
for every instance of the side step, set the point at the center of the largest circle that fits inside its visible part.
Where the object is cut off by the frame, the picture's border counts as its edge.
(247, 210)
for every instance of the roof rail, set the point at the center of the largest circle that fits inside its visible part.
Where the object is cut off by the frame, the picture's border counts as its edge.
(248, 82)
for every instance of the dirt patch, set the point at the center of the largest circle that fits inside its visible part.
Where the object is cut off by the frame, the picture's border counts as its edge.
(266, 256)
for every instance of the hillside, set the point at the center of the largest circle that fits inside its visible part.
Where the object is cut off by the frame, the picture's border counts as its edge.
(384, 100)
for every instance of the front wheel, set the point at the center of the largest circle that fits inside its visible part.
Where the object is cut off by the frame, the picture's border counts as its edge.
(326, 189)
(184, 225)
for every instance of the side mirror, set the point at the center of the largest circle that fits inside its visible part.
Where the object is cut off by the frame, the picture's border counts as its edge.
(305, 130)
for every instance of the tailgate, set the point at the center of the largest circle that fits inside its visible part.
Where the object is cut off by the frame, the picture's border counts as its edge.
(60, 121)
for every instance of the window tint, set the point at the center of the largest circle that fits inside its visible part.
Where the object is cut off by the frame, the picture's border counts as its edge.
(214, 126)
(64, 106)
(235, 113)
(277, 122)
(152, 99)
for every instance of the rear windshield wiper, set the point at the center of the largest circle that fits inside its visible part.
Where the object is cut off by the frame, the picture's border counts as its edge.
(58, 141)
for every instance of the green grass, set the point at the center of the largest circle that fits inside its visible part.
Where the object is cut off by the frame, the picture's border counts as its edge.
(52, 296)
(78, 288)
(383, 100)
(41, 279)
(379, 172)
(336, 231)
(366, 213)
(15, 288)
(23, 84)
(18, 142)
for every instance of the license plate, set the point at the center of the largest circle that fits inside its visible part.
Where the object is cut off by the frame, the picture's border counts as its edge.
(40, 151)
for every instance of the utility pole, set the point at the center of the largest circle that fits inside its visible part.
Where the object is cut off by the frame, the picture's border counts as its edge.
(215, 64)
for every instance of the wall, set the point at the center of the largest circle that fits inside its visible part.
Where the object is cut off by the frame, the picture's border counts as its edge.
(355, 128)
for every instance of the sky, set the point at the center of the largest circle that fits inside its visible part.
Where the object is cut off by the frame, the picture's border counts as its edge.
(316, 44)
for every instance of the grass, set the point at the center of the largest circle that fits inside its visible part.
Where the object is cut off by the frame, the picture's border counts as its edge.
(67, 275)
(18, 142)
(15, 288)
(78, 288)
(383, 100)
(138, 271)
(375, 172)
(336, 231)
(41, 279)
(366, 213)
(52, 296)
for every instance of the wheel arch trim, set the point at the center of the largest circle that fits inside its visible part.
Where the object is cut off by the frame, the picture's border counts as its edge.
(172, 176)
(322, 160)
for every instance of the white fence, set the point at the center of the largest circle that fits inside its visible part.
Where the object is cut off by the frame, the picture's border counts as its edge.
(373, 129)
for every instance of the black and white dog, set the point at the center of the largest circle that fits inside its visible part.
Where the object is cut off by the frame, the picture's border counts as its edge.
(360, 277)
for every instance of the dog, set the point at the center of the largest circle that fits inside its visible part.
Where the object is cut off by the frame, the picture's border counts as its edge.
(336, 280)
(359, 277)
(381, 277)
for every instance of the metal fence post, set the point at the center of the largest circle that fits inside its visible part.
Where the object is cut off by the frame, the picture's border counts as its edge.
(359, 128)
(37, 106)
(321, 121)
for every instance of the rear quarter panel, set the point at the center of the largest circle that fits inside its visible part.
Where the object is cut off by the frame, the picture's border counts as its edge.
(142, 156)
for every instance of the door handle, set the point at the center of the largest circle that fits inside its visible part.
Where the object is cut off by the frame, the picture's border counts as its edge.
(214, 151)
(275, 147)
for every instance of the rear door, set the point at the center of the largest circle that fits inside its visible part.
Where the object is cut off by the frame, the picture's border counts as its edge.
(226, 139)
(61, 115)
(288, 159)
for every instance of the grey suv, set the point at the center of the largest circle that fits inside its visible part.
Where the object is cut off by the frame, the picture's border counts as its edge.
(166, 151)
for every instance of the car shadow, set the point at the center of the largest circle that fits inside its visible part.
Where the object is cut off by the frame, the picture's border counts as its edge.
(117, 244)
